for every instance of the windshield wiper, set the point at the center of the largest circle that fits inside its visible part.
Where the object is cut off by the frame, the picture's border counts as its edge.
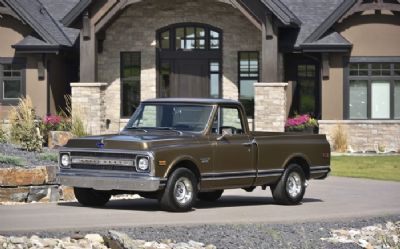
(137, 128)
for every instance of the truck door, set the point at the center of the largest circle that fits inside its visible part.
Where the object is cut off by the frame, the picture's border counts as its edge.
(233, 161)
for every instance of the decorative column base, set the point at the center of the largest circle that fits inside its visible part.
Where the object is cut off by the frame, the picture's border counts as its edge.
(270, 106)
(88, 103)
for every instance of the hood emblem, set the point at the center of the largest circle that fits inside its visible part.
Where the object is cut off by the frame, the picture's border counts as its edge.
(100, 144)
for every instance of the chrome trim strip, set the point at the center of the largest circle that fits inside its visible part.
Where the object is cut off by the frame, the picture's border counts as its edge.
(320, 168)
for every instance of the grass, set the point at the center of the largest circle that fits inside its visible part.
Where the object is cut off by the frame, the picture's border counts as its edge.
(52, 157)
(371, 167)
(12, 160)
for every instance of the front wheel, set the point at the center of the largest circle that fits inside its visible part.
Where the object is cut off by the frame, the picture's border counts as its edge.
(181, 191)
(291, 187)
(90, 197)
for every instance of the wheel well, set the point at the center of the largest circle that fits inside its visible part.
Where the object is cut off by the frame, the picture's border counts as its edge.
(303, 164)
(188, 165)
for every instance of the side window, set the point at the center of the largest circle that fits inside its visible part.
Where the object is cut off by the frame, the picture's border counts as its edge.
(231, 118)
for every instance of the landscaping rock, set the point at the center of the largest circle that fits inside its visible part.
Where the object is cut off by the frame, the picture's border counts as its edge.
(12, 177)
(37, 193)
(58, 138)
(14, 194)
(51, 174)
(67, 193)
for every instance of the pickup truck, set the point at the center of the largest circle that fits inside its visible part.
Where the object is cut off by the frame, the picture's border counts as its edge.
(181, 150)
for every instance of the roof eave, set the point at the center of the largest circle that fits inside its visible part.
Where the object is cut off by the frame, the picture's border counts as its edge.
(326, 48)
(71, 16)
(40, 49)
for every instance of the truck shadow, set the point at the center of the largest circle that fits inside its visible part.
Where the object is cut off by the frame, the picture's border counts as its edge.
(142, 204)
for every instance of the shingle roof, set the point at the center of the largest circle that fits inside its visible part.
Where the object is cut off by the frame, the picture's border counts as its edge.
(314, 15)
(282, 12)
(44, 17)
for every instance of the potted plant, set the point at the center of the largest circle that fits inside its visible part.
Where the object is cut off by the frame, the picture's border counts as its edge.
(302, 123)
(56, 130)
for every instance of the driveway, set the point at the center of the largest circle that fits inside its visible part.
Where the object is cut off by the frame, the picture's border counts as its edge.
(330, 199)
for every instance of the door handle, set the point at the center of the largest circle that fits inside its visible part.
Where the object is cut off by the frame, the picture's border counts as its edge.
(247, 144)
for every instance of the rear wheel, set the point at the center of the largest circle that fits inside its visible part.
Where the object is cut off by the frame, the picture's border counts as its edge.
(181, 191)
(291, 187)
(210, 196)
(90, 197)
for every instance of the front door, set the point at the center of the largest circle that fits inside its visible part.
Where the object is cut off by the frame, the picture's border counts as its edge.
(190, 79)
(189, 61)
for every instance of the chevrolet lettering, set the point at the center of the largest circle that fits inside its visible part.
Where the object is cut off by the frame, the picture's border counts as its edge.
(181, 150)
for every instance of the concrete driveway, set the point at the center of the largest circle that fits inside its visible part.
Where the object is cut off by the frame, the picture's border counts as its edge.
(333, 198)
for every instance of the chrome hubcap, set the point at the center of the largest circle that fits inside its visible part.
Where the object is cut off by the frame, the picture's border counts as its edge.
(294, 185)
(183, 190)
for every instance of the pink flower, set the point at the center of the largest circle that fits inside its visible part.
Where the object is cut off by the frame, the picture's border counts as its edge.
(298, 120)
(52, 119)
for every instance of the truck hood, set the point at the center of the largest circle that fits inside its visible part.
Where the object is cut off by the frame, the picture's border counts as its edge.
(133, 140)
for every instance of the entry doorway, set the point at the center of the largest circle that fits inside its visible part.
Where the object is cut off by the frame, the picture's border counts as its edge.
(189, 61)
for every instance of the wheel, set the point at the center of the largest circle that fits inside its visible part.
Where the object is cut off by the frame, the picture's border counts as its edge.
(291, 187)
(90, 197)
(210, 196)
(180, 192)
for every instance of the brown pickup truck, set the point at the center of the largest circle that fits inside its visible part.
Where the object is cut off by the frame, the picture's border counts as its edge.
(181, 150)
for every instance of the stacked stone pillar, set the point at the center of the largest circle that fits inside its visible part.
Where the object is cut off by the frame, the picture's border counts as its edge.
(270, 106)
(88, 104)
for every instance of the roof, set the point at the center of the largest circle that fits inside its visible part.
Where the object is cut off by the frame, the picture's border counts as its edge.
(317, 16)
(282, 12)
(44, 17)
(192, 100)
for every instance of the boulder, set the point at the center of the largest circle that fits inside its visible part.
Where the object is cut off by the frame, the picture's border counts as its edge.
(13, 177)
(36, 193)
(58, 138)
(14, 194)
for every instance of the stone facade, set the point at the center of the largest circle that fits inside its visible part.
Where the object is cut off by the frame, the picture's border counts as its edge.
(88, 103)
(365, 135)
(270, 106)
(135, 30)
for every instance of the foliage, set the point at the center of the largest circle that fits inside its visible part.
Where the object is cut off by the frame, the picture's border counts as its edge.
(339, 138)
(24, 130)
(3, 135)
(53, 157)
(372, 167)
(77, 125)
(12, 160)
(300, 123)
(55, 123)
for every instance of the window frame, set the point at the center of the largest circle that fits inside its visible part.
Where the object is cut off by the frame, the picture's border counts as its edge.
(121, 80)
(240, 78)
(13, 61)
(370, 79)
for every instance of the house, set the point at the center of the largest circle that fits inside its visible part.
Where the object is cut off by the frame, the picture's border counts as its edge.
(38, 54)
(338, 60)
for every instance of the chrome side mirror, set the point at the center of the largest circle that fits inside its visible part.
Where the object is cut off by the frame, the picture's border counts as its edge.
(225, 132)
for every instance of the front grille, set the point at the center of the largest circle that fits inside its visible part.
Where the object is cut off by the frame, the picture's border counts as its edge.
(103, 161)
(102, 167)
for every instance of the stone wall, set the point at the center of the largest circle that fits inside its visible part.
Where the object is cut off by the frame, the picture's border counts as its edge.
(135, 30)
(365, 134)
(270, 106)
(87, 101)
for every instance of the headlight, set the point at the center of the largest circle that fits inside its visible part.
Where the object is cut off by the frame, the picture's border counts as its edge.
(65, 160)
(143, 164)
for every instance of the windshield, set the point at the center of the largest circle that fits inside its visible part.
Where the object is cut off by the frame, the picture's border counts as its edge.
(170, 116)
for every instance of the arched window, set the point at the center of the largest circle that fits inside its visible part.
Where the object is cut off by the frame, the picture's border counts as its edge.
(189, 37)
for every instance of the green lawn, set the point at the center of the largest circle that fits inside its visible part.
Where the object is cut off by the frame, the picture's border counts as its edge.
(372, 167)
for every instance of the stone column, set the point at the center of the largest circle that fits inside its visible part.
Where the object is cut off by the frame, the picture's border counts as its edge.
(270, 106)
(88, 104)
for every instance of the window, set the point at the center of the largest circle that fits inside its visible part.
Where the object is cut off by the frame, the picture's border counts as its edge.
(130, 82)
(189, 37)
(215, 78)
(12, 82)
(373, 90)
(248, 75)
(165, 79)
(306, 90)
(229, 119)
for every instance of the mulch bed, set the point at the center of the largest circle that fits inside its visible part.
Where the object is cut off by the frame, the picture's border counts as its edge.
(32, 159)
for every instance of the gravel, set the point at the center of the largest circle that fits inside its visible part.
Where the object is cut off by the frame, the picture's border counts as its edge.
(32, 158)
(296, 235)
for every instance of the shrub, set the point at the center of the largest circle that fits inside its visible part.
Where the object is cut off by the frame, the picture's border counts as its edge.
(24, 130)
(300, 123)
(339, 139)
(55, 123)
(77, 124)
(3, 135)
(12, 160)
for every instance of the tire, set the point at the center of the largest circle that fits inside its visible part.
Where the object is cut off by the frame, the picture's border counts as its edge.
(291, 186)
(90, 197)
(180, 192)
(210, 196)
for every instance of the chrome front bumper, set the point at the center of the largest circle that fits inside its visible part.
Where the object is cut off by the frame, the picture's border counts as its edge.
(110, 180)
